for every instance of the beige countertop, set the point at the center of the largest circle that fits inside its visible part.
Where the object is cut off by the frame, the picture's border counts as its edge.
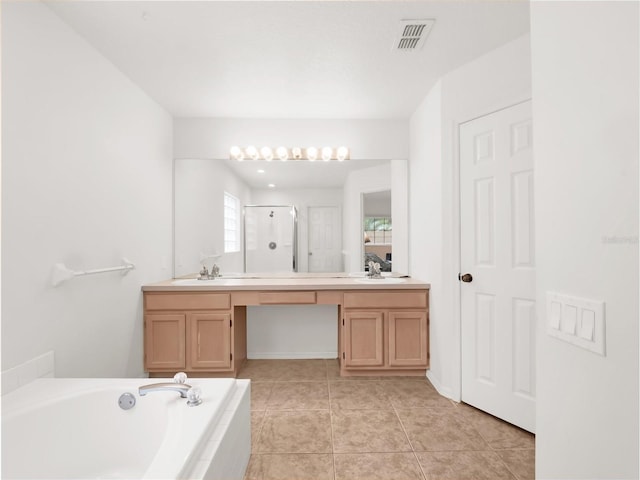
(288, 281)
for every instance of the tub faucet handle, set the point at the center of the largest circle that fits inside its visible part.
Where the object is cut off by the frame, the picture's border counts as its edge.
(193, 396)
(180, 377)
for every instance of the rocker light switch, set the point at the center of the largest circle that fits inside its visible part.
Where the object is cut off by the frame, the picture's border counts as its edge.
(569, 319)
(588, 324)
(555, 314)
(575, 320)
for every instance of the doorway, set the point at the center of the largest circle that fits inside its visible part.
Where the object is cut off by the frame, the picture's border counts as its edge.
(377, 226)
(497, 259)
(325, 239)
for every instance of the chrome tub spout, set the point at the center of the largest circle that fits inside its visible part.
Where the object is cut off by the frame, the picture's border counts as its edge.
(181, 388)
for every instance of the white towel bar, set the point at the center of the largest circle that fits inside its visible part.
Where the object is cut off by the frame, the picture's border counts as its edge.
(61, 273)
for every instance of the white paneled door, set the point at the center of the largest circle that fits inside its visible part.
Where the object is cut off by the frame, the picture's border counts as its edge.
(497, 283)
(325, 239)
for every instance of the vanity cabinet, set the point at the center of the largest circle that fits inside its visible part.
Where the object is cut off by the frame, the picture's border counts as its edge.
(164, 341)
(386, 331)
(193, 332)
(209, 341)
(381, 331)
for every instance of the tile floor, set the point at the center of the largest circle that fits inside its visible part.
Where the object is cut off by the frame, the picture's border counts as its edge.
(308, 423)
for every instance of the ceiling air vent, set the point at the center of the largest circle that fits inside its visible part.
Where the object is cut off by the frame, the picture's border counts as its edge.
(413, 34)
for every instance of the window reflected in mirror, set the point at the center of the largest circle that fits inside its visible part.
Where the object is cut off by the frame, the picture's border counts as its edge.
(378, 230)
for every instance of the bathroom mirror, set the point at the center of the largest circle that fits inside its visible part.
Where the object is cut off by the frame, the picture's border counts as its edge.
(200, 186)
(377, 227)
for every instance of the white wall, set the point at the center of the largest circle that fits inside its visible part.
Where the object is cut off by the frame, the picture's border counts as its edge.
(367, 139)
(425, 220)
(376, 207)
(585, 113)
(86, 181)
(292, 331)
(199, 187)
(493, 81)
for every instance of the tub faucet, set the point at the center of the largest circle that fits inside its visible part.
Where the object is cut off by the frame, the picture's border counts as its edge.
(181, 388)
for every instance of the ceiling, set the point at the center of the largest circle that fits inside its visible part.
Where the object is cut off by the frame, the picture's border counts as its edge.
(289, 59)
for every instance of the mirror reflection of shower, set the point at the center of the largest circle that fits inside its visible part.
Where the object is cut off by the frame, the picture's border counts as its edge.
(270, 240)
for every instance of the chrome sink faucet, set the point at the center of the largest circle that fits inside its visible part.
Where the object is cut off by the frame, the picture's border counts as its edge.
(374, 270)
(205, 275)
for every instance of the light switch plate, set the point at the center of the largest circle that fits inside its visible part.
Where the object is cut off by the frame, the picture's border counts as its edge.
(579, 321)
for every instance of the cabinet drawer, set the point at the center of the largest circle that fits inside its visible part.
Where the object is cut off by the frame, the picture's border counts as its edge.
(187, 301)
(283, 298)
(385, 299)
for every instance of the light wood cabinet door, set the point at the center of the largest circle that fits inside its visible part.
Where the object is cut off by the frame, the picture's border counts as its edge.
(164, 341)
(209, 341)
(407, 339)
(363, 339)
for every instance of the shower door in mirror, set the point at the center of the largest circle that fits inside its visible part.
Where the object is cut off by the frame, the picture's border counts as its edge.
(270, 237)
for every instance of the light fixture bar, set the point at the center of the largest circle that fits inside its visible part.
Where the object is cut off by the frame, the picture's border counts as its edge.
(283, 154)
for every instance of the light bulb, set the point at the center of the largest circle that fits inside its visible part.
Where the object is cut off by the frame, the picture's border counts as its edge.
(236, 153)
(266, 153)
(296, 153)
(282, 153)
(312, 154)
(342, 153)
(327, 152)
(252, 152)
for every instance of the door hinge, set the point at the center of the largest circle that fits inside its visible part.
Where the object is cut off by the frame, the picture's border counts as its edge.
(231, 323)
(231, 356)
(343, 355)
(343, 322)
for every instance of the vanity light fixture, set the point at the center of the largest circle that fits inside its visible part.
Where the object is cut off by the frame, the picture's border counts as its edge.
(252, 152)
(312, 154)
(237, 153)
(327, 153)
(266, 153)
(342, 153)
(283, 154)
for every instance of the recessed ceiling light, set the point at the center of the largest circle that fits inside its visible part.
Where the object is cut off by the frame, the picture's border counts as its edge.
(271, 185)
(260, 170)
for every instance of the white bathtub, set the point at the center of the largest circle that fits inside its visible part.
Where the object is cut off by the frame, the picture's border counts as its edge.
(74, 428)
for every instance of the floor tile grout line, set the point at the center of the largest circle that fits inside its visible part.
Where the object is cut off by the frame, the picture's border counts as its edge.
(413, 450)
(493, 450)
(333, 448)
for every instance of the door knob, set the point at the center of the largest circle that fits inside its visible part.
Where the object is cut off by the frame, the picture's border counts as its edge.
(467, 277)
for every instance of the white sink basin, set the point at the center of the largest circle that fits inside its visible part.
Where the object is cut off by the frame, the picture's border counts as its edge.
(380, 281)
(194, 282)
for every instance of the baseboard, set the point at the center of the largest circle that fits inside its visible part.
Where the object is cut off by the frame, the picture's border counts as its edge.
(444, 391)
(290, 355)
